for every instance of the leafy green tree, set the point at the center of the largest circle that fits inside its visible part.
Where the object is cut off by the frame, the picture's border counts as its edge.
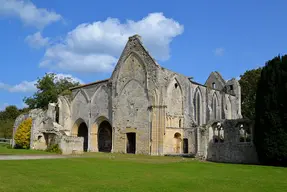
(7, 118)
(270, 134)
(49, 88)
(10, 112)
(248, 82)
(6, 128)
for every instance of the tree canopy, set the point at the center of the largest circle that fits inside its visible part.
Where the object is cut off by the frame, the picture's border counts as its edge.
(48, 89)
(248, 82)
(270, 134)
(7, 118)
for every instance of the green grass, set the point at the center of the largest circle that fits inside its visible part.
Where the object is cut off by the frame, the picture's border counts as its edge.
(4, 150)
(118, 172)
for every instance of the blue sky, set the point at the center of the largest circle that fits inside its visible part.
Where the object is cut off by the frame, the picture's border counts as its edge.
(83, 39)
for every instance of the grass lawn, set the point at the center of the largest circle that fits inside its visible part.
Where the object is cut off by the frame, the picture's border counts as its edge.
(117, 172)
(6, 151)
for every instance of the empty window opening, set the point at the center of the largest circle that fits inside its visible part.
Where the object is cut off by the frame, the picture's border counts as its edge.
(179, 123)
(175, 85)
(214, 107)
(213, 85)
(244, 133)
(231, 87)
(218, 133)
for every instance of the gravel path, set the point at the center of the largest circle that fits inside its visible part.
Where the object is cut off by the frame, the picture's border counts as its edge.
(26, 157)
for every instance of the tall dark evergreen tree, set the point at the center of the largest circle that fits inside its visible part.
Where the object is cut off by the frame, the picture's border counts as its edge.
(248, 82)
(270, 135)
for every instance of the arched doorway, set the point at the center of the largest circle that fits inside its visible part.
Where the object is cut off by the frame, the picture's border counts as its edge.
(177, 138)
(105, 137)
(83, 132)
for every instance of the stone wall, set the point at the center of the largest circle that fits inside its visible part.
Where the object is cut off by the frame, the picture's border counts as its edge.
(228, 141)
(71, 145)
(147, 99)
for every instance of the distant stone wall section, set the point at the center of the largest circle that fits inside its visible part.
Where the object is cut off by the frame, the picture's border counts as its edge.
(71, 145)
(229, 141)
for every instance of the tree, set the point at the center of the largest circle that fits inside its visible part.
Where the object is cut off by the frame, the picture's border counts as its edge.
(10, 112)
(7, 118)
(270, 134)
(49, 88)
(248, 82)
(22, 136)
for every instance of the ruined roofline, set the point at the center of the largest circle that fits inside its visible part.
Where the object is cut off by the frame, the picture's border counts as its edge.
(88, 84)
(219, 77)
(193, 82)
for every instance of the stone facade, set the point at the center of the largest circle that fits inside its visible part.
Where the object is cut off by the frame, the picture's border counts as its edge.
(46, 132)
(228, 141)
(144, 108)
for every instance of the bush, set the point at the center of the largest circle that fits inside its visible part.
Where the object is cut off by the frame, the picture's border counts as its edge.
(22, 136)
(54, 149)
(270, 134)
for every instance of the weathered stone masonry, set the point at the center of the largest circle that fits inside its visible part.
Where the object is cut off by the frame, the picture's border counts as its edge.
(147, 109)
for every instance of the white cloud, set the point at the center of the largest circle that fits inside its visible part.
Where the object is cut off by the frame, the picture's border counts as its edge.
(37, 40)
(29, 86)
(219, 51)
(74, 79)
(95, 47)
(24, 86)
(28, 12)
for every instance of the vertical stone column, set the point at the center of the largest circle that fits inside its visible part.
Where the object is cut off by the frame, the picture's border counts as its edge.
(158, 129)
(94, 137)
(90, 127)
(154, 129)
(198, 146)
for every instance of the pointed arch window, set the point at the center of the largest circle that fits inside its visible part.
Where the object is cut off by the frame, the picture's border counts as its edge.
(197, 107)
(214, 105)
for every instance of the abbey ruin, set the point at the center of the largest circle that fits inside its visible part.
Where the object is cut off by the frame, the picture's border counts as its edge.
(144, 108)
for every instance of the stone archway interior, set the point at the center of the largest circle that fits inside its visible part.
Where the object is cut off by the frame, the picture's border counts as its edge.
(177, 137)
(105, 137)
(83, 132)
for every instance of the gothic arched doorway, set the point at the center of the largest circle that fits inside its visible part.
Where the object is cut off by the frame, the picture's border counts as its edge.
(105, 137)
(177, 146)
(83, 132)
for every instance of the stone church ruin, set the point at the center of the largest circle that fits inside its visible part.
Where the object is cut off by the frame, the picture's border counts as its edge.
(144, 108)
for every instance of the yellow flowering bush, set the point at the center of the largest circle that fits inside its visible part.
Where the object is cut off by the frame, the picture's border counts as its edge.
(22, 136)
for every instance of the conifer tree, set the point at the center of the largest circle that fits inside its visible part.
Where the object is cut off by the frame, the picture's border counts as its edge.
(270, 134)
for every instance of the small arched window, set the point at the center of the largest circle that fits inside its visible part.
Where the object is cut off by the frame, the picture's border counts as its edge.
(179, 123)
(213, 85)
(175, 85)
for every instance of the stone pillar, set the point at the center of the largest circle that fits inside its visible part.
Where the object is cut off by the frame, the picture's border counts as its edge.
(94, 138)
(158, 130)
(51, 112)
(198, 140)
(89, 127)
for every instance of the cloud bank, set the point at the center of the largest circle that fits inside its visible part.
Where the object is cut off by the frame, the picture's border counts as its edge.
(95, 47)
(28, 13)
